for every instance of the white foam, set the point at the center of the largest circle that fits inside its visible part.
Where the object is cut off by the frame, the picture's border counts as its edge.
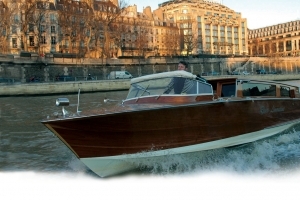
(264, 157)
(197, 186)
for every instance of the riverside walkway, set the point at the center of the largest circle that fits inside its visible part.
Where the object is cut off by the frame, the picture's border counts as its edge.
(50, 88)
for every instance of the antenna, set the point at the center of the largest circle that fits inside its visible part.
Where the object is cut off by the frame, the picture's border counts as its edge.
(78, 101)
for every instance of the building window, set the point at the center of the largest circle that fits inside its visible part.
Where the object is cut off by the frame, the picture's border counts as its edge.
(43, 40)
(31, 41)
(53, 29)
(198, 19)
(215, 33)
(14, 43)
(31, 27)
(42, 28)
(16, 19)
(184, 11)
(53, 40)
(14, 30)
(67, 43)
(52, 18)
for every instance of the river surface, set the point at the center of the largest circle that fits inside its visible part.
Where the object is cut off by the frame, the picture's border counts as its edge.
(35, 164)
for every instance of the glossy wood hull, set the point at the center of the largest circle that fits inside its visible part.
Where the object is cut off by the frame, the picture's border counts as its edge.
(112, 165)
(171, 127)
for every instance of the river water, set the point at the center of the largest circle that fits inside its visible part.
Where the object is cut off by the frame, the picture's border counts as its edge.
(34, 164)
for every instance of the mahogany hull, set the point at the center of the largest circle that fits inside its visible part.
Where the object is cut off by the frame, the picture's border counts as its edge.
(170, 127)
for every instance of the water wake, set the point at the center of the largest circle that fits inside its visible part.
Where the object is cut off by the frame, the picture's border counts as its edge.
(279, 153)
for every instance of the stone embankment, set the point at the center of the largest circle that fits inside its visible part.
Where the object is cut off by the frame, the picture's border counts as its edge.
(63, 87)
(102, 85)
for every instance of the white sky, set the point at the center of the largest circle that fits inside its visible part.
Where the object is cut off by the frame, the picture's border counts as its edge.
(259, 13)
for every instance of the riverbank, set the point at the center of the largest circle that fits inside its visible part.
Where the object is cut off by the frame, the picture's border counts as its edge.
(103, 85)
(63, 87)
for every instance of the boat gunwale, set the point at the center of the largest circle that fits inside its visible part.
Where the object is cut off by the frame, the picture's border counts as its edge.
(168, 106)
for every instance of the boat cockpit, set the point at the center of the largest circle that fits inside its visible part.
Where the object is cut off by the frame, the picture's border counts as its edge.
(168, 84)
(183, 87)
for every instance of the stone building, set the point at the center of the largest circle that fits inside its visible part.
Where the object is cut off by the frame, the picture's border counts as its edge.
(276, 40)
(147, 35)
(206, 26)
(176, 27)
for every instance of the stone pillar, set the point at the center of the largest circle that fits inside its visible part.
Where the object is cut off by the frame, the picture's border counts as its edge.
(66, 73)
(221, 64)
(23, 77)
(212, 67)
(191, 68)
(46, 74)
(104, 69)
(154, 68)
(139, 69)
(85, 72)
(252, 67)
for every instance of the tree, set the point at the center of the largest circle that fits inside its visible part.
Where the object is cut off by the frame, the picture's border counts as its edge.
(27, 9)
(189, 38)
(106, 15)
(6, 14)
(74, 21)
(39, 20)
(172, 41)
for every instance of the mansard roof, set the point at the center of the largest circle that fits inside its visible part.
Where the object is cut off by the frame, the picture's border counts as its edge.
(205, 4)
(73, 6)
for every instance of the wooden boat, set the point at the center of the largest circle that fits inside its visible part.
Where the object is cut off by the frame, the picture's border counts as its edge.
(160, 118)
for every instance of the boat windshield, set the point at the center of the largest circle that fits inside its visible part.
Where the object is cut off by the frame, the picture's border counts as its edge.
(169, 86)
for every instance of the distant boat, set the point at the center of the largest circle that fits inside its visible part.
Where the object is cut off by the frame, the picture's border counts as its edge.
(176, 113)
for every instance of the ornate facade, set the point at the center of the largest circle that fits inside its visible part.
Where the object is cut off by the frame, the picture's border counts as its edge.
(147, 35)
(206, 26)
(281, 40)
(176, 27)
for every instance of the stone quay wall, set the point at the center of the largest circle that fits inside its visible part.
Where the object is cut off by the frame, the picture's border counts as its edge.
(21, 69)
(103, 85)
(46, 69)
(15, 73)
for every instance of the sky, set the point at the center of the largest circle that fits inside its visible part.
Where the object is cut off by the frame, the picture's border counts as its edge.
(259, 13)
